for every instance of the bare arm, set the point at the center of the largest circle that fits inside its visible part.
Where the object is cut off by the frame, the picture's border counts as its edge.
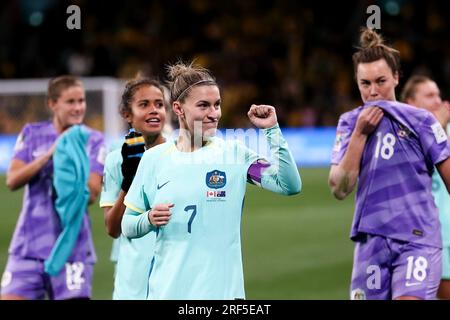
(95, 186)
(20, 173)
(343, 177)
(444, 170)
(113, 216)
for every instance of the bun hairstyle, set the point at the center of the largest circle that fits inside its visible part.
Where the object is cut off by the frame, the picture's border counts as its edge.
(372, 48)
(183, 77)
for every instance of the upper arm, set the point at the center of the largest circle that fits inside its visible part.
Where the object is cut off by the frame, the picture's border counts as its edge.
(343, 133)
(444, 171)
(11, 177)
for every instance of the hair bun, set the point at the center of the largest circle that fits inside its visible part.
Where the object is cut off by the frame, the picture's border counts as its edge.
(369, 38)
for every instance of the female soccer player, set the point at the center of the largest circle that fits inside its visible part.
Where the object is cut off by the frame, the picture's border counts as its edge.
(424, 93)
(39, 225)
(190, 193)
(390, 148)
(143, 108)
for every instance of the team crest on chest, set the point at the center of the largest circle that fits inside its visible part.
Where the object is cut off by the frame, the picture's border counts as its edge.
(403, 132)
(216, 179)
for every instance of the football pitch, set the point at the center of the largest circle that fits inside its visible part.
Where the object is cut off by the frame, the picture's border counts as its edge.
(293, 247)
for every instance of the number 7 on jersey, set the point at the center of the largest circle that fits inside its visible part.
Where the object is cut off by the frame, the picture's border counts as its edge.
(194, 212)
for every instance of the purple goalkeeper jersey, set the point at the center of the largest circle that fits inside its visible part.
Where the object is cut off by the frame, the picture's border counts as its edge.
(394, 196)
(39, 226)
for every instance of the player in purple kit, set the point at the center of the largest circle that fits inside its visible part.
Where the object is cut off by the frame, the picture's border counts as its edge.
(39, 225)
(390, 149)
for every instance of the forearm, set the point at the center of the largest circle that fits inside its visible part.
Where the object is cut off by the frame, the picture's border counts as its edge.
(113, 216)
(95, 186)
(21, 173)
(345, 176)
(282, 175)
(136, 225)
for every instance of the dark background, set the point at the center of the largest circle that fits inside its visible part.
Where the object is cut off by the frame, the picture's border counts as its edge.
(295, 55)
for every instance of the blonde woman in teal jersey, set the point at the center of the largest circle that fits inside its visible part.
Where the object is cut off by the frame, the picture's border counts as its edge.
(189, 193)
(424, 93)
(143, 107)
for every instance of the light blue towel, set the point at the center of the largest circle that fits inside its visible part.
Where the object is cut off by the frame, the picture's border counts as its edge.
(70, 179)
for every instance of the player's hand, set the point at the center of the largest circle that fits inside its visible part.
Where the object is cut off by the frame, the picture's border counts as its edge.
(368, 120)
(132, 151)
(262, 116)
(160, 214)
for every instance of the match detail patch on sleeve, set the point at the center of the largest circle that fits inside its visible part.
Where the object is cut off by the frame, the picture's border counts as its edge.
(338, 142)
(439, 132)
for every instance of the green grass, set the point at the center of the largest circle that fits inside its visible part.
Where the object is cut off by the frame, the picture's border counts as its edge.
(293, 247)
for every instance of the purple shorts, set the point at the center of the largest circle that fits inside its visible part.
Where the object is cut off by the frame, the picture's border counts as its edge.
(386, 269)
(26, 278)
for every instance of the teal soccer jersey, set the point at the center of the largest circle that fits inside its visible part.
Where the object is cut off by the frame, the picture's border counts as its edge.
(134, 255)
(202, 239)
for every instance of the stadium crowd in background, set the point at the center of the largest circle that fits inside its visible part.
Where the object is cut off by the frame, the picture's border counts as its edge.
(292, 54)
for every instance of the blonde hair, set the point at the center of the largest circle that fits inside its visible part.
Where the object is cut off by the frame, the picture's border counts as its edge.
(183, 77)
(61, 83)
(410, 88)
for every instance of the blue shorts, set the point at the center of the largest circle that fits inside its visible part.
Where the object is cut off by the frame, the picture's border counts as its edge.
(26, 278)
(385, 269)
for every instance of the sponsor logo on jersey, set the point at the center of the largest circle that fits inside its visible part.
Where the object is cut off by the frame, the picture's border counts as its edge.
(358, 294)
(6, 279)
(411, 284)
(216, 179)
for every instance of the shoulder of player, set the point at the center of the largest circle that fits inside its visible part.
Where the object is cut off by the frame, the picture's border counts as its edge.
(36, 127)
(93, 133)
(158, 149)
(351, 116)
(113, 158)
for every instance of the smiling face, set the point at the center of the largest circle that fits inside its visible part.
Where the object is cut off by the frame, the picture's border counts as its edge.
(148, 113)
(376, 81)
(69, 108)
(200, 109)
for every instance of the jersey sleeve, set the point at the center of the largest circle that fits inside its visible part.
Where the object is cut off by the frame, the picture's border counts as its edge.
(434, 140)
(280, 175)
(343, 133)
(112, 180)
(137, 197)
(23, 146)
(97, 152)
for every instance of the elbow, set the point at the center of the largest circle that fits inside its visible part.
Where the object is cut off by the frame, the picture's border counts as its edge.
(294, 188)
(339, 194)
(112, 231)
(93, 195)
(127, 232)
(11, 184)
